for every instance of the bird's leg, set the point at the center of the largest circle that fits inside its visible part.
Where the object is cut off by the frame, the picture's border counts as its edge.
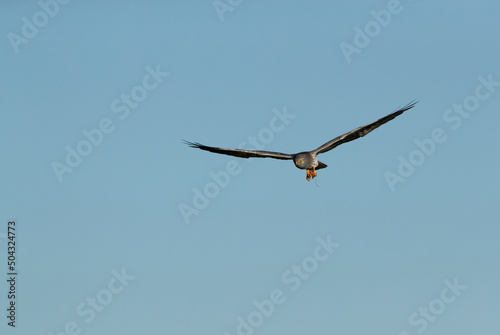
(308, 175)
(314, 173)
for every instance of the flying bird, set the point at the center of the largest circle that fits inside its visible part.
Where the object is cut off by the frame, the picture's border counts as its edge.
(307, 160)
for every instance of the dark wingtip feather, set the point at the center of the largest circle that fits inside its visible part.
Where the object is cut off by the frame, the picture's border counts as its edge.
(409, 106)
(192, 144)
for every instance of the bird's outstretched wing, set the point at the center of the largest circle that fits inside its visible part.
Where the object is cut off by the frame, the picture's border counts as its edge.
(240, 152)
(361, 131)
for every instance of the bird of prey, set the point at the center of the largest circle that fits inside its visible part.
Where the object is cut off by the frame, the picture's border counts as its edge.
(307, 160)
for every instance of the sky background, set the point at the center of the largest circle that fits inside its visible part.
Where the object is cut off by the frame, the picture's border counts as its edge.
(121, 208)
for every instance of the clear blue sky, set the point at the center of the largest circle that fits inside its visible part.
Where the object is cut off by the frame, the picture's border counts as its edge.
(399, 235)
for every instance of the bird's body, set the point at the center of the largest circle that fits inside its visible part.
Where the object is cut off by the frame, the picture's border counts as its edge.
(307, 160)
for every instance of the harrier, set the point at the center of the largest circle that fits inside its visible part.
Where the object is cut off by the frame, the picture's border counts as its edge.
(307, 160)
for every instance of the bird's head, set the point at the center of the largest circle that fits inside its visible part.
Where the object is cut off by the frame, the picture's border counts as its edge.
(301, 161)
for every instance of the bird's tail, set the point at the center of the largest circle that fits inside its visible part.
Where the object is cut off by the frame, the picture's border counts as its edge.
(321, 165)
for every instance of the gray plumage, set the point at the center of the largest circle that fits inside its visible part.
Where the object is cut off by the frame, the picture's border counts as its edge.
(307, 160)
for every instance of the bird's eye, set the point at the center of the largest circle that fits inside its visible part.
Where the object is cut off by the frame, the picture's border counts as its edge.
(302, 161)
